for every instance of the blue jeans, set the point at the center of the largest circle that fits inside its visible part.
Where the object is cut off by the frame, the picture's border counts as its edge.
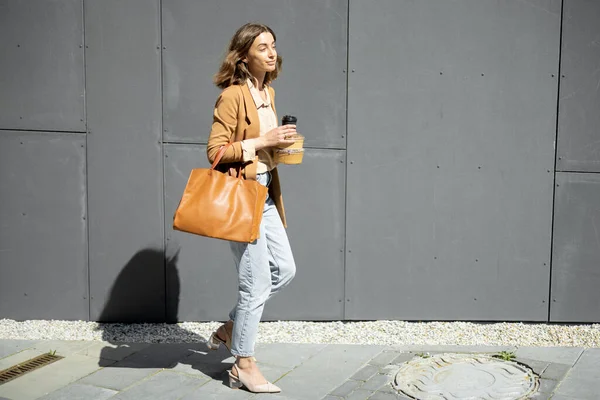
(264, 267)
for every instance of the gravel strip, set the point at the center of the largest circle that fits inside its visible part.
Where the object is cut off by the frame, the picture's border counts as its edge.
(372, 332)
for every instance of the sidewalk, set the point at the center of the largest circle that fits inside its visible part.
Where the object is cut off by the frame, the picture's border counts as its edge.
(188, 371)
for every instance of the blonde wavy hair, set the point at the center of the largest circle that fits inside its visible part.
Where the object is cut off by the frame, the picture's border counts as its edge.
(233, 70)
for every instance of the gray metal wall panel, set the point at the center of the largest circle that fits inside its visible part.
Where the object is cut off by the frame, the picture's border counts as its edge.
(124, 160)
(41, 73)
(204, 271)
(576, 249)
(450, 183)
(43, 235)
(579, 137)
(311, 37)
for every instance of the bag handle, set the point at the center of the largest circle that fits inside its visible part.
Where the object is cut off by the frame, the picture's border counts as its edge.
(220, 154)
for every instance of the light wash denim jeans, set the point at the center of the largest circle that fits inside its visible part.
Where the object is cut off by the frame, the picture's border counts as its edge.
(264, 267)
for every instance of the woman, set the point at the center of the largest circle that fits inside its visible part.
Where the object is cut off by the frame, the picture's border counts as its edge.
(245, 116)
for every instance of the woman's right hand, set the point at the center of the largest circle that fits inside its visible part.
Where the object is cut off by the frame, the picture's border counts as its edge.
(277, 136)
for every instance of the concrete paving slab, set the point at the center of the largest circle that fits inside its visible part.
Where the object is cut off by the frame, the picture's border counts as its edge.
(389, 388)
(49, 378)
(388, 396)
(360, 394)
(377, 382)
(541, 396)
(77, 391)
(118, 378)
(217, 390)
(63, 347)
(204, 356)
(582, 388)
(365, 373)
(390, 370)
(206, 363)
(163, 355)
(9, 347)
(555, 372)
(18, 358)
(547, 386)
(346, 388)
(112, 351)
(274, 373)
(558, 355)
(453, 348)
(205, 371)
(273, 396)
(589, 363)
(286, 355)
(165, 385)
(583, 380)
(402, 358)
(537, 366)
(319, 375)
(385, 357)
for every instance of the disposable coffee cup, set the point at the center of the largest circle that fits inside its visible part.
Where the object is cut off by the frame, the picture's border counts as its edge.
(295, 150)
(289, 156)
(288, 120)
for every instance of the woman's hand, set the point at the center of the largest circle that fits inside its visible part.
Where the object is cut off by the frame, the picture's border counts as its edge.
(277, 136)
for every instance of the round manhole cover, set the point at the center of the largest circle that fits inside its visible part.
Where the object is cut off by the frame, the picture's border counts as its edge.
(465, 376)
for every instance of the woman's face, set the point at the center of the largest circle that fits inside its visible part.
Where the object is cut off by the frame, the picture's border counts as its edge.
(262, 56)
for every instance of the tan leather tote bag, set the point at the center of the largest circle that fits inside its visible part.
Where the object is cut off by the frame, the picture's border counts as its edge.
(221, 206)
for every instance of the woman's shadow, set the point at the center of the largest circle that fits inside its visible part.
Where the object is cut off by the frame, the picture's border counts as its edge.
(143, 305)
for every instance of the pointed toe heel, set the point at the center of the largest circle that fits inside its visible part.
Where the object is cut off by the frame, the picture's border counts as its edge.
(236, 382)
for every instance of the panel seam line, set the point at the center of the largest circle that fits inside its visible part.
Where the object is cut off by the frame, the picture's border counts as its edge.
(551, 261)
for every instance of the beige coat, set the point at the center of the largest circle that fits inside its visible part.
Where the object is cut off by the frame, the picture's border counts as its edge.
(235, 119)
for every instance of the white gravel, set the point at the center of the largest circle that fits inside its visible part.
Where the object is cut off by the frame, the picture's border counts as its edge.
(373, 332)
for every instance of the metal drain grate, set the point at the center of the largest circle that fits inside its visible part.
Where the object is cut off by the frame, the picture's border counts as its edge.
(27, 366)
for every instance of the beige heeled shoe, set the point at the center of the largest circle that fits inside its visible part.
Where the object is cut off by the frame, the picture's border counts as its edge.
(214, 341)
(236, 382)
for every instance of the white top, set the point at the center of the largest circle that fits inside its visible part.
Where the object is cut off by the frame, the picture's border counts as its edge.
(267, 121)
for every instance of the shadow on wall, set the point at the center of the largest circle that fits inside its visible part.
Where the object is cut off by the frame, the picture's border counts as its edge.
(138, 308)
(138, 294)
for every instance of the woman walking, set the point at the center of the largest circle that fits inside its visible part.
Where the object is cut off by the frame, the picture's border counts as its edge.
(245, 116)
